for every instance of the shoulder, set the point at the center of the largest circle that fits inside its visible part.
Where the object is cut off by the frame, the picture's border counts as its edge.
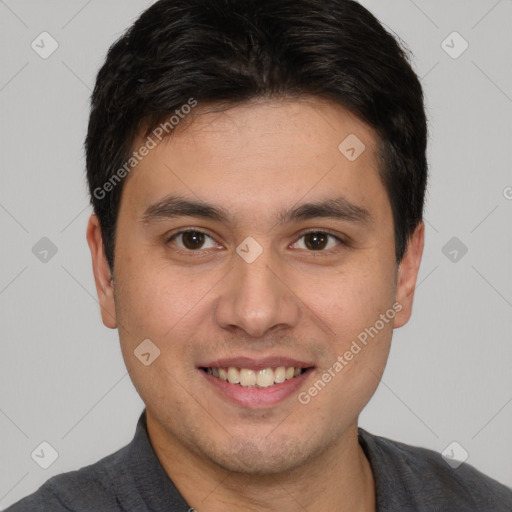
(92, 487)
(428, 478)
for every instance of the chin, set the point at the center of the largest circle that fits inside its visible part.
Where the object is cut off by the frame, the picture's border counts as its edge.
(264, 458)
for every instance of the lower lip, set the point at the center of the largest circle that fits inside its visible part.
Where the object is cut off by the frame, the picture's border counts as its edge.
(257, 397)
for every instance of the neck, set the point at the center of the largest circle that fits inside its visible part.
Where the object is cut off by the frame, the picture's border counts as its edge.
(340, 479)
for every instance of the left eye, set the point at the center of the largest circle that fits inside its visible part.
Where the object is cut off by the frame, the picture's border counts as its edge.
(317, 241)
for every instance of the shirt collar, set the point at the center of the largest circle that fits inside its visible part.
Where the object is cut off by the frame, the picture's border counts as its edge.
(143, 481)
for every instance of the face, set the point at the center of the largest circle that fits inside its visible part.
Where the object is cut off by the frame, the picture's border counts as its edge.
(254, 286)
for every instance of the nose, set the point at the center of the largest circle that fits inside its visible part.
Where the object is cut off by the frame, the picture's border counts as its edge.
(256, 297)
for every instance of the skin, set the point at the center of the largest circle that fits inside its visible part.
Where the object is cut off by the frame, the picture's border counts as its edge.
(254, 160)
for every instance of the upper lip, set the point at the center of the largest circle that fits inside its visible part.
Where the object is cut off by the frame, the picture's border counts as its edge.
(256, 364)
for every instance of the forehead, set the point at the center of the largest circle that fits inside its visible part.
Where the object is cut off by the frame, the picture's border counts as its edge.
(261, 153)
(263, 123)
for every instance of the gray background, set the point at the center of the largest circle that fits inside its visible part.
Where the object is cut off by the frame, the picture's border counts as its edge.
(62, 377)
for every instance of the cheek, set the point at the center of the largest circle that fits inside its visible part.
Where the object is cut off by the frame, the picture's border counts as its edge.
(352, 298)
(157, 300)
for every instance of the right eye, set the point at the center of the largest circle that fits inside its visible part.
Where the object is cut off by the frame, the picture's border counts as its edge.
(191, 240)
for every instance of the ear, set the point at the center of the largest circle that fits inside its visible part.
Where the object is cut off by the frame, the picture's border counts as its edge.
(407, 274)
(102, 275)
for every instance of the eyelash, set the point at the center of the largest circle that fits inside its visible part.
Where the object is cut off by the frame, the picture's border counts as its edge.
(200, 252)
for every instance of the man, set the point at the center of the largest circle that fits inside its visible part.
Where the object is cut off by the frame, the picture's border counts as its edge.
(257, 171)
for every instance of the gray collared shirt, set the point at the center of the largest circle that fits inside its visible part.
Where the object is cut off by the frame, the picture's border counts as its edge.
(407, 479)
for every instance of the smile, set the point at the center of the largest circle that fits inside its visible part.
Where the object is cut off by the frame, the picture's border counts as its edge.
(248, 378)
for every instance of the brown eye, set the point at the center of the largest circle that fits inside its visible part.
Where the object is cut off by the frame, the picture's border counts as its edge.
(317, 241)
(191, 240)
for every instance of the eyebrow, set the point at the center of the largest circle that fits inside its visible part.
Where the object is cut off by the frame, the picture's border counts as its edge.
(338, 208)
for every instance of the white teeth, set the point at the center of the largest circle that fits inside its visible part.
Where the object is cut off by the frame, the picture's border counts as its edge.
(233, 375)
(265, 378)
(247, 377)
(280, 375)
(250, 378)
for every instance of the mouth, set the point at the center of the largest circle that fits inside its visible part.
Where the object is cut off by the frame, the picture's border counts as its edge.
(251, 383)
(253, 378)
